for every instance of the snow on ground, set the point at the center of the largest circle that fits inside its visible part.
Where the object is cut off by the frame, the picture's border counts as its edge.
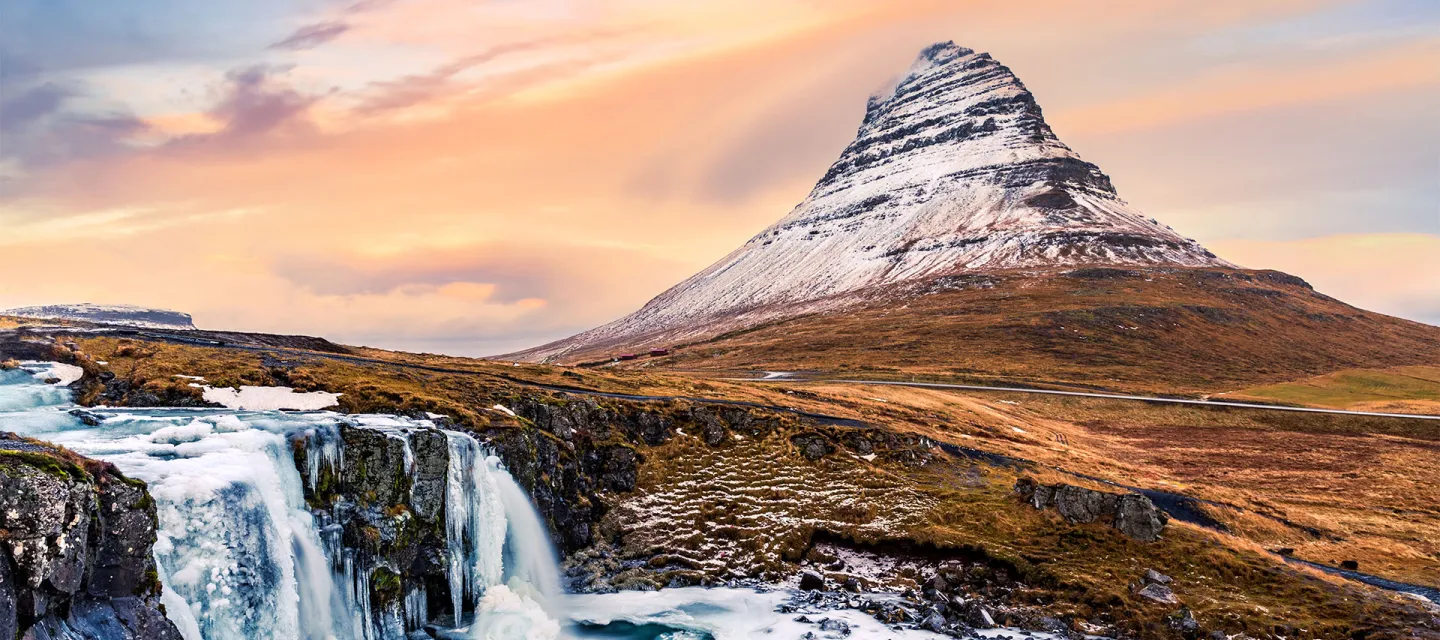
(269, 398)
(727, 614)
(770, 503)
(65, 373)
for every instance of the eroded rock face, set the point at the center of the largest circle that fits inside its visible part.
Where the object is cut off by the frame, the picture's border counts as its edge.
(1131, 513)
(77, 548)
(388, 500)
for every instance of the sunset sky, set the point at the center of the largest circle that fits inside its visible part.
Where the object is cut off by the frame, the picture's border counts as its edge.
(472, 177)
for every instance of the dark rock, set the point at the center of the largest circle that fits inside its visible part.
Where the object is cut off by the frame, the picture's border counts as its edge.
(122, 557)
(1350, 565)
(1139, 518)
(87, 418)
(1183, 620)
(811, 581)
(933, 622)
(1158, 593)
(834, 625)
(1053, 199)
(9, 607)
(852, 585)
(813, 445)
(1131, 513)
(76, 558)
(431, 451)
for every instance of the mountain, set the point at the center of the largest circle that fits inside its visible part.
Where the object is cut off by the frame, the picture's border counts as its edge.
(121, 314)
(958, 236)
(954, 170)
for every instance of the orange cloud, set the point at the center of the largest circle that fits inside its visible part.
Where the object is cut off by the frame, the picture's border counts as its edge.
(1248, 88)
(507, 199)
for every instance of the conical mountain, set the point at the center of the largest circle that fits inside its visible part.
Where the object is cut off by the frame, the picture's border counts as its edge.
(954, 170)
(954, 174)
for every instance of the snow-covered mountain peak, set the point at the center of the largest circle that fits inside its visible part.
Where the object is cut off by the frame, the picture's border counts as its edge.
(936, 55)
(952, 170)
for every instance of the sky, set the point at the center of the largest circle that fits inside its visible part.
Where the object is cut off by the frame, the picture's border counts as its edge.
(477, 176)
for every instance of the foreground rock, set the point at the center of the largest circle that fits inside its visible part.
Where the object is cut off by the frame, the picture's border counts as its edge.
(1131, 513)
(77, 538)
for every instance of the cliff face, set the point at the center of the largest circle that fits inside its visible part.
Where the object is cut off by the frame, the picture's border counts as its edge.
(75, 549)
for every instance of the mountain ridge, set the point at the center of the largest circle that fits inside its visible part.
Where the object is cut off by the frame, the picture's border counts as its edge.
(117, 314)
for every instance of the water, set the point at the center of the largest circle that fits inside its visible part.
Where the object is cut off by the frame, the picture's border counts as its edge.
(241, 556)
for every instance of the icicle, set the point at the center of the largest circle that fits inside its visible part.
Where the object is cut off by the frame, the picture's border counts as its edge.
(323, 447)
(417, 612)
(474, 523)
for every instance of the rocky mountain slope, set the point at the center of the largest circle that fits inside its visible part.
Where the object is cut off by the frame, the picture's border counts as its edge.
(955, 170)
(121, 314)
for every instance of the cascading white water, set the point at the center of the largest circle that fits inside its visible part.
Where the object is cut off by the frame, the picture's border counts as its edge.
(475, 523)
(528, 605)
(529, 553)
(240, 554)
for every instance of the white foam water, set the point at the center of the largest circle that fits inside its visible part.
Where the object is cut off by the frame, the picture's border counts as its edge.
(240, 554)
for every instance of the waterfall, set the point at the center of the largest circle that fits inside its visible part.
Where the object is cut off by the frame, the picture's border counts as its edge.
(241, 555)
(475, 523)
(530, 555)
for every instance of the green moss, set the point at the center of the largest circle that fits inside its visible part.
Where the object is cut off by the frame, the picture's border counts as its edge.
(149, 584)
(385, 586)
(50, 464)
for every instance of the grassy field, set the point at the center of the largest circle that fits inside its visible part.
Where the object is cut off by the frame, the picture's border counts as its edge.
(1414, 389)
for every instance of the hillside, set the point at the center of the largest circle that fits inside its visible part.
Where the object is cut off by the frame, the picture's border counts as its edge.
(1187, 331)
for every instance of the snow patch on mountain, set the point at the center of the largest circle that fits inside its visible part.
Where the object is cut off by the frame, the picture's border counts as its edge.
(121, 314)
(952, 171)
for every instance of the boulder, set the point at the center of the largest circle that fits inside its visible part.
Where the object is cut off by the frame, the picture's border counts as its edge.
(835, 625)
(1131, 513)
(933, 622)
(1139, 518)
(1158, 593)
(813, 445)
(811, 581)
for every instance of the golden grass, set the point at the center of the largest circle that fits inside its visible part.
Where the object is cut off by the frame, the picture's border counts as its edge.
(1412, 389)
(1174, 331)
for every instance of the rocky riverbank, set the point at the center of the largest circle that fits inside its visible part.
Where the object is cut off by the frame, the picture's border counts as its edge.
(76, 538)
